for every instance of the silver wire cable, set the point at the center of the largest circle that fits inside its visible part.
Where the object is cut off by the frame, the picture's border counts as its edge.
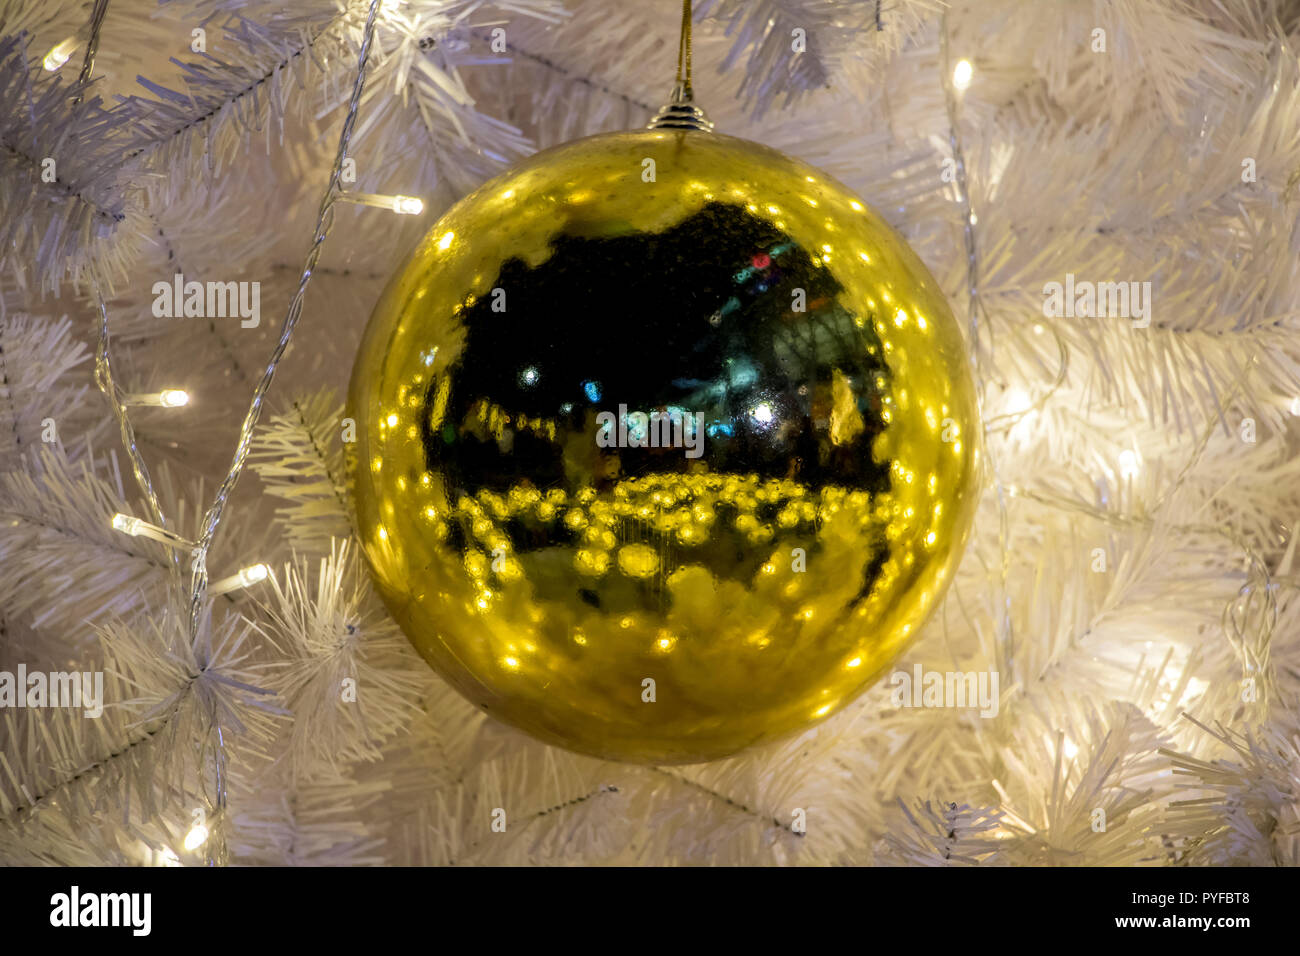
(216, 852)
(324, 221)
(1006, 634)
(104, 379)
(92, 47)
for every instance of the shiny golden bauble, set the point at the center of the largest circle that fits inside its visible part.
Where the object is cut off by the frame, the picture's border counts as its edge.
(667, 444)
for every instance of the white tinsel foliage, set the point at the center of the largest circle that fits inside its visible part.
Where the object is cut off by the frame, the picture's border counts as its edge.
(946, 835)
(793, 47)
(1243, 806)
(64, 563)
(299, 458)
(1131, 575)
(66, 196)
(43, 388)
(148, 753)
(348, 676)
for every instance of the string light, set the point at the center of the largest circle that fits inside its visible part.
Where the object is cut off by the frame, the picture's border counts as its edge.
(59, 55)
(167, 398)
(143, 529)
(402, 205)
(1018, 401)
(197, 836)
(962, 74)
(103, 375)
(1128, 463)
(244, 577)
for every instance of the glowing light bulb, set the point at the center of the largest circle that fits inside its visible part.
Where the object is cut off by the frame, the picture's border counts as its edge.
(402, 205)
(143, 529)
(244, 577)
(1018, 401)
(1129, 465)
(962, 73)
(126, 524)
(197, 836)
(167, 398)
(59, 55)
(762, 413)
(408, 205)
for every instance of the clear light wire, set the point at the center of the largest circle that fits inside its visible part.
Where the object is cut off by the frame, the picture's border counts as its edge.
(1006, 634)
(92, 47)
(216, 852)
(324, 220)
(107, 385)
(216, 849)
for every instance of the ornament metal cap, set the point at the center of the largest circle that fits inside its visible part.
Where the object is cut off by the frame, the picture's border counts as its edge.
(681, 113)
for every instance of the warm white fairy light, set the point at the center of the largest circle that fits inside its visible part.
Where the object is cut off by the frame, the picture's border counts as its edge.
(197, 836)
(59, 55)
(1020, 408)
(402, 205)
(244, 577)
(1018, 401)
(143, 529)
(1129, 464)
(167, 398)
(962, 74)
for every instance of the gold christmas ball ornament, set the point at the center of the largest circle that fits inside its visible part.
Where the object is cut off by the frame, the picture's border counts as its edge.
(666, 445)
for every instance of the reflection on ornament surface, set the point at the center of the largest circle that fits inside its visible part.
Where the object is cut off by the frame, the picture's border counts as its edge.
(657, 470)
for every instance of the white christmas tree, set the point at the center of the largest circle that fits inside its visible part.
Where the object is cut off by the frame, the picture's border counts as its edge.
(1131, 572)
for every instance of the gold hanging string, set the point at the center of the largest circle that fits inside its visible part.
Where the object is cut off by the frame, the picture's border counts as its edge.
(684, 52)
(681, 112)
